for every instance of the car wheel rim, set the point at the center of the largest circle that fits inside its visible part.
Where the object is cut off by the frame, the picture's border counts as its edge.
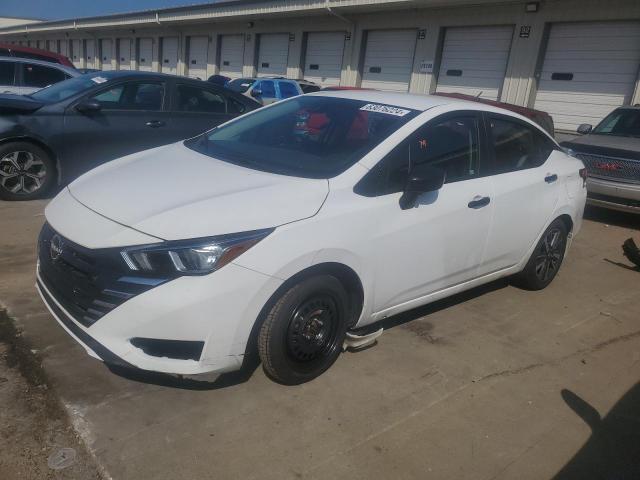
(312, 330)
(549, 255)
(22, 172)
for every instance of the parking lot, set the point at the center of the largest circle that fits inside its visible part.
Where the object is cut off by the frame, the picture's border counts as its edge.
(496, 383)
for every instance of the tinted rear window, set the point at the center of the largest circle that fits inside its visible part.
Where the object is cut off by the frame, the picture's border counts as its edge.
(7, 73)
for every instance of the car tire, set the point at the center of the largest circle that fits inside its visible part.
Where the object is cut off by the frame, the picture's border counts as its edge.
(546, 258)
(27, 171)
(303, 333)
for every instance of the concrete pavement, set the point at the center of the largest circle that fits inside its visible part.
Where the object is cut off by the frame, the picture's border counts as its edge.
(470, 388)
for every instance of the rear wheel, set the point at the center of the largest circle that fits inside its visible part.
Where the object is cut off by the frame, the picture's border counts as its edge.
(303, 333)
(546, 259)
(26, 171)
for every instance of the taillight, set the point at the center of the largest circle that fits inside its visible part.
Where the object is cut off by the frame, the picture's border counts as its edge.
(583, 175)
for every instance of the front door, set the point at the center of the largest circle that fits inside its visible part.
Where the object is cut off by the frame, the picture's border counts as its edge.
(440, 242)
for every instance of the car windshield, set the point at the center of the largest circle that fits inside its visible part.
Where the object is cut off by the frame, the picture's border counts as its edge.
(622, 123)
(67, 88)
(307, 136)
(240, 85)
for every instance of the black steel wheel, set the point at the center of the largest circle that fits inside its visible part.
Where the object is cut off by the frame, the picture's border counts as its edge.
(303, 333)
(546, 259)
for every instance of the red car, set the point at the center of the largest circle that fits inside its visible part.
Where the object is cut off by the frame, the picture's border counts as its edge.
(541, 118)
(10, 50)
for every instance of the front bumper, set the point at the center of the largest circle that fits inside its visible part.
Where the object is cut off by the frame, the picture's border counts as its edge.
(613, 194)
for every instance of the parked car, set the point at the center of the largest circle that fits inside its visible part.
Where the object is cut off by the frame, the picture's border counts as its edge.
(611, 152)
(273, 234)
(265, 90)
(308, 86)
(60, 132)
(220, 80)
(21, 76)
(541, 118)
(10, 50)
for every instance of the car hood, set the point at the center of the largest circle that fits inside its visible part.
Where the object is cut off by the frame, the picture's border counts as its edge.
(10, 103)
(173, 192)
(607, 145)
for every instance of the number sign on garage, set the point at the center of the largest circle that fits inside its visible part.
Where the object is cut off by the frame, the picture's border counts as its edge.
(273, 54)
(388, 59)
(198, 50)
(474, 60)
(170, 55)
(323, 58)
(231, 55)
(588, 70)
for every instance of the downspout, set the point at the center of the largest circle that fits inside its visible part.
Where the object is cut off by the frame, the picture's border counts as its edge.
(336, 14)
(352, 28)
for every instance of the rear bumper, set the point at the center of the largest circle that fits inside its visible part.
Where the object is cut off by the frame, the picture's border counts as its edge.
(614, 195)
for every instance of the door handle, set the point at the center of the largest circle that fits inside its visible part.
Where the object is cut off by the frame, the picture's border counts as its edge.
(551, 178)
(154, 123)
(479, 202)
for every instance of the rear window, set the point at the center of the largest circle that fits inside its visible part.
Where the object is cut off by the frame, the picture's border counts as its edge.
(240, 85)
(7, 73)
(310, 137)
(287, 90)
(39, 76)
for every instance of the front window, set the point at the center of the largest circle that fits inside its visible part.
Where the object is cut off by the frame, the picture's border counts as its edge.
(310, 137)
(620, 123)
(132, 96)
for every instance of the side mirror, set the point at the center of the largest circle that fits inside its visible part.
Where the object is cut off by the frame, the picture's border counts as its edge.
(256, 92)
(89, 106)
(422, 179)
(584, 129)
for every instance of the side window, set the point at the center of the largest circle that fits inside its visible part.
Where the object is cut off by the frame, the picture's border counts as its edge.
(7, 73)
(287, 90)
(451, 145)
(39, 76)
(132, 96)
(196, 99)
(5, 52)
(517, 146)
(268, 89)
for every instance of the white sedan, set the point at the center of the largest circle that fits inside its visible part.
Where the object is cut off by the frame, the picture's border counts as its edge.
(285, 229)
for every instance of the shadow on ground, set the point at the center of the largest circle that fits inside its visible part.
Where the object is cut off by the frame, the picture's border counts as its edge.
(612, 217)
(613, 450)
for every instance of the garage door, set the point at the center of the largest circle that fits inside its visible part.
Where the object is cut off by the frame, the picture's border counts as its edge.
(388, 59)
(474, 60)
(52, 45)
(76, 52)
(90, 53)
(124, 54)
(588, 70)
(145, 54)
(106, 53)
(198, 48)
(323, 59)
(170, 55)
(273, 54)
(231, 55)
(64, 48)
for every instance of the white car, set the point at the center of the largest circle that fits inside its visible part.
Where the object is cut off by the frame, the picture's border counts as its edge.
(282, 230)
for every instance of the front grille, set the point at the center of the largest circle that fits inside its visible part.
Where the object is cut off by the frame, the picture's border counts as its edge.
(613, 168)
(88, 283)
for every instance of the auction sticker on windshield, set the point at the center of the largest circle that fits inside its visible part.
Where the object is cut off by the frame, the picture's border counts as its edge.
(99, 80)
(374, 107)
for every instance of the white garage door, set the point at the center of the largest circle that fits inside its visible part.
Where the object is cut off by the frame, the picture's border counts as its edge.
(52, 45)
(323, 59)
(388, 60)
(76, 52)
(588, 70)
(106, 53)
(474, 60)
(90, 53)
(231, 55)
(145, 54)
(124, 54)
(198, 48)
(64, 48)
(273, 54)
(170, 55)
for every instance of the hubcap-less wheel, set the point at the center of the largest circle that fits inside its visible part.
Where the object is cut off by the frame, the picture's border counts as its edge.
(22, 173)
(312, 329)
(549, 255)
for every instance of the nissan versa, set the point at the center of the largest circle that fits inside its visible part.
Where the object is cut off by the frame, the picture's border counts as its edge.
(285, 229)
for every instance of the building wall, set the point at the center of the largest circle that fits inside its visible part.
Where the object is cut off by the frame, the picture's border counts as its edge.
(525, 55)
(12, 21)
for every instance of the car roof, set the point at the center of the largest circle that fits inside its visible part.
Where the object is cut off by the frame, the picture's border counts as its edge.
(136, 74)
(38, 51)
(413, 101)
(71, 71)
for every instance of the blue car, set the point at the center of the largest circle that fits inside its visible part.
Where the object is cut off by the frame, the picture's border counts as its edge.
(265, 90)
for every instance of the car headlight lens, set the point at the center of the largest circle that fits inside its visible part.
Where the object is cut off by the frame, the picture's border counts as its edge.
(190, 257)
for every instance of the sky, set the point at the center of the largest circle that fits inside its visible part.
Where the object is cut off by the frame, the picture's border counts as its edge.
(61, 9)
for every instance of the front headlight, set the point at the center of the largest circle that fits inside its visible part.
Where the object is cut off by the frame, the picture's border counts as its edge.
(190, 257)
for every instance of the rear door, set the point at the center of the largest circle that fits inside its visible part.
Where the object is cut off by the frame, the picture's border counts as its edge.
(131, 119)
(525, 189)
